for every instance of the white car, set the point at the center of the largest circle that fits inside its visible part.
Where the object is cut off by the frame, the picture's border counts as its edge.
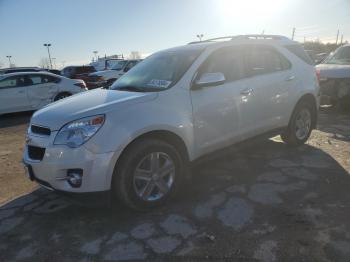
(27, 91)
(137, 138)
(119, 69)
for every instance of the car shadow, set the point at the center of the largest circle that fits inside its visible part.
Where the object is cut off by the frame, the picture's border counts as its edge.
(14, 119)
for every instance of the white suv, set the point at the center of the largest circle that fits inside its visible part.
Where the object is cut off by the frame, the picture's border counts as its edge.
(137, 138)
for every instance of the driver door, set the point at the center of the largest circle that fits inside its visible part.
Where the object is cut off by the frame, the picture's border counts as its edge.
(216, 108)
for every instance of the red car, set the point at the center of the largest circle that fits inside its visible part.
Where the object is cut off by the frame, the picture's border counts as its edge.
(82, 72)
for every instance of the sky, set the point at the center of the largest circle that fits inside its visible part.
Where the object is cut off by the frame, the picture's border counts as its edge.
(76, 28)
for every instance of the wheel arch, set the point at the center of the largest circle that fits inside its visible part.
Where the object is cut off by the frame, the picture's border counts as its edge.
(61, 93)
(310, 99)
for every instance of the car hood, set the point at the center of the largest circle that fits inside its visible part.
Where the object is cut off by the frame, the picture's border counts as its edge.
(94, 102)
(334, 71)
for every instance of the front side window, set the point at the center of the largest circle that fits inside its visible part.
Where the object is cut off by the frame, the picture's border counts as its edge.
(8, 83)
(228, 61)
(159, 71)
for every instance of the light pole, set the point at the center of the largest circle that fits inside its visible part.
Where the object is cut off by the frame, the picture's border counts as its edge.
(48, 51)
(95, 52)
(9, 58)
(200, 36)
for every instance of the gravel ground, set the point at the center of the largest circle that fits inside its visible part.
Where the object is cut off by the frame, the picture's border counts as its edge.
(264, 202)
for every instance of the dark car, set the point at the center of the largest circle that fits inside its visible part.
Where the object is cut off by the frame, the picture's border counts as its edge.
(79, 72)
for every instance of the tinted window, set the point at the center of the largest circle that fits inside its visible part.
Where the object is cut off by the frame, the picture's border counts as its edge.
(34, 79)
(48, 79)
(228, 60)
(300, 52)
(265, 60)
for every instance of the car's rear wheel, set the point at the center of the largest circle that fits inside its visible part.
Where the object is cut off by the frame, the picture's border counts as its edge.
(148, 174)
(300, 124)
(61, 96)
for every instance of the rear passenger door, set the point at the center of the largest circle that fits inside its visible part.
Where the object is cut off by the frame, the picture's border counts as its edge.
(269, 81)
(42, 90)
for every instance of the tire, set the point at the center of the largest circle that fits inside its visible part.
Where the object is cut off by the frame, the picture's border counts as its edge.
(129, 182)
(61, 96)
(300, 125)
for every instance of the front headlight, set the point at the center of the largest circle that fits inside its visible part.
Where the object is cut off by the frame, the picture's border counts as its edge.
(77, 132)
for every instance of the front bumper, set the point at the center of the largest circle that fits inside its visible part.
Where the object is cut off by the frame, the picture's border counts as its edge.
(51, 171)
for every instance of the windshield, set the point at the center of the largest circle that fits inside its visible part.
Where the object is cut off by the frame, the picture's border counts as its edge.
(341, 56)
(118, 65)
(158, 72)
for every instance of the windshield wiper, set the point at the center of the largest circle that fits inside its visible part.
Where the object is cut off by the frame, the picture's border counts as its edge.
(138, 89)
(131, 88)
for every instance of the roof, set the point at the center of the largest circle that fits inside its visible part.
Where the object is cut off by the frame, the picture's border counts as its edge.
(226, 40)
(29, 73)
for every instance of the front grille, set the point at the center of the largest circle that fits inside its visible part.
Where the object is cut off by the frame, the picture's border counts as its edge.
(36, 153)
(40, 130)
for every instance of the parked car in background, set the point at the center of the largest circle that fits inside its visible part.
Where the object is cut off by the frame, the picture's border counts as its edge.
(79, 72)
(33, 90)
(20, 69)
(137, 138)
(119, 69)
(335, 77)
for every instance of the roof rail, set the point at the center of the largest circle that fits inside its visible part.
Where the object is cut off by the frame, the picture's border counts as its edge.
(253, 36)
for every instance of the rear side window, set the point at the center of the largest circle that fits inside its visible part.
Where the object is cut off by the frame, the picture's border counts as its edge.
(227, 60)
(264, 60)
(300, 52)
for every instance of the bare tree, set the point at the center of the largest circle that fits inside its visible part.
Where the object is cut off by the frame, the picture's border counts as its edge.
(44, 62)
(135, 55)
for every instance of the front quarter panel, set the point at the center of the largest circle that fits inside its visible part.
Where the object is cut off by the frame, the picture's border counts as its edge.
(165, 113)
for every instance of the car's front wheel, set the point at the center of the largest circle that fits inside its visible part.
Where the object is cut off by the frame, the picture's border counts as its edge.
(148, 174)
(300, 124)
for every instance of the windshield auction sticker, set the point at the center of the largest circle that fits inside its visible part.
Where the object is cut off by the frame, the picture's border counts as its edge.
(159, 83)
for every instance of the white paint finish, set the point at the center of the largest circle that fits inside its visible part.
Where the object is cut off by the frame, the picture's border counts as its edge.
(205, 119)
(34, 96)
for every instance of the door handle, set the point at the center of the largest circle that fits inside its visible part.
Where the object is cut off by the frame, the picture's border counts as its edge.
(246, 91)
(290, 78)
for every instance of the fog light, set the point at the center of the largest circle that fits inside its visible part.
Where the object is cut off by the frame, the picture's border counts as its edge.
(74, 177)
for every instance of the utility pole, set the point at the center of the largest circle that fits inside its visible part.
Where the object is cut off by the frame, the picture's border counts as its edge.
(9, 58)
(48, 51)
(54, 61)
(96, 58)
(293, 33)
(200, 36)
(336, 41)
(341, 39)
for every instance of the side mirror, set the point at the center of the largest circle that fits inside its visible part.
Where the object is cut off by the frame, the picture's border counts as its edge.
(209, 79)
